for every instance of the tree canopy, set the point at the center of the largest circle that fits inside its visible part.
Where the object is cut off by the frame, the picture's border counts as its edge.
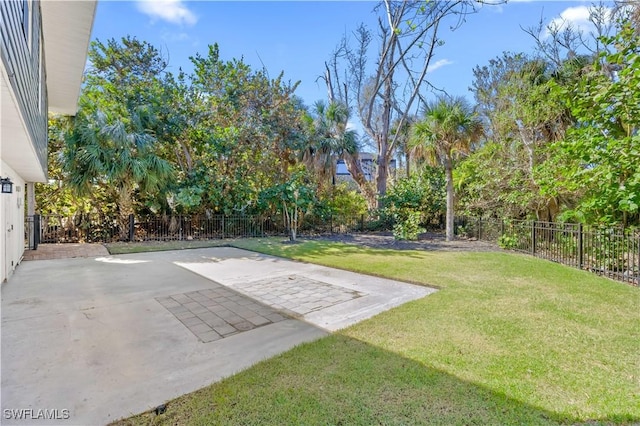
(553, 133)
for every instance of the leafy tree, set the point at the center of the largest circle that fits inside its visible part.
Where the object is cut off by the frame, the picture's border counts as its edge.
(493, 182)
(561, 131)
(124, 76)
(600, 155)
(294, 198)
(522, 118)
(243, 135)
(449, 128)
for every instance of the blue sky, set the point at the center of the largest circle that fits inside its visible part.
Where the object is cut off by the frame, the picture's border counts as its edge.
(297, 37)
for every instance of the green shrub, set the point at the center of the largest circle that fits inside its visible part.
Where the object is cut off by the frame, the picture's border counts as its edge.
(407, 225)
(508, 242)
(415, 201)
(423, 192)
(340, 200)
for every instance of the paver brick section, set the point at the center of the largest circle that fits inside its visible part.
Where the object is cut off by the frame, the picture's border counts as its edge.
(213, 314)
(296, 295)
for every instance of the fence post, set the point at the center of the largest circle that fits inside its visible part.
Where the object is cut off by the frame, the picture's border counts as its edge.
(361, 223)
(479, 228)
(132, 223)
(501, 227)
(222, 224)
(580, 246)
(331, 224)
(533, 238)
(36, 231)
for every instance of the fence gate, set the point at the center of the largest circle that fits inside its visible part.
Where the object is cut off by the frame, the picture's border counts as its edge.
(32, 232)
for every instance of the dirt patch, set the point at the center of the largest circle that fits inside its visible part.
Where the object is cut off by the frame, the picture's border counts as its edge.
(426, 241)
(65, 251)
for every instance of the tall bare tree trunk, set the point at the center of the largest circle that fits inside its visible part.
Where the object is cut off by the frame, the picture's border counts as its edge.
(407, 155)
(384, 145)
(353, 166)
(381, 179)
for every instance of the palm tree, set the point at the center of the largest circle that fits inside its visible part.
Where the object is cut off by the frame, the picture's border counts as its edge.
(449, 128)
(333, 140)
(107, 151)
(320, 151)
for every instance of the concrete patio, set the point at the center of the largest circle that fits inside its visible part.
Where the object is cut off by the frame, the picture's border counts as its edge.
(92, 340)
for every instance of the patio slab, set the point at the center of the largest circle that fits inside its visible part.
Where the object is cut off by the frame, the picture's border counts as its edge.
(94, 340)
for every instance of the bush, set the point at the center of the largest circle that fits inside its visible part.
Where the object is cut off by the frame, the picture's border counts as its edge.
(414, 201)
(407, 226)
(341, 201)
(508, 242)
(423, 193)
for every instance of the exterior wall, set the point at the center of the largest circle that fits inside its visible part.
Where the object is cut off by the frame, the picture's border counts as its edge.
(12, 223)
(24, 83)
(22, 58)
(24, 119)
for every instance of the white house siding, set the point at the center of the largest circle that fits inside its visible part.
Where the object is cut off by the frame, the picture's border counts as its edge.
(36, 37)
(12, 223)
(23, 133)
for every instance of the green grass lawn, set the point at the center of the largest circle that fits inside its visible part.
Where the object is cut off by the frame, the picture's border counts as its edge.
(508, 339)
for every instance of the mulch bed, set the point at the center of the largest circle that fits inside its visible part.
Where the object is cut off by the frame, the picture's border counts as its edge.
(426, 241)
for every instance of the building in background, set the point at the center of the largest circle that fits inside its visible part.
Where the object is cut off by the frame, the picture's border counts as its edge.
(44, 50)
(369, 168)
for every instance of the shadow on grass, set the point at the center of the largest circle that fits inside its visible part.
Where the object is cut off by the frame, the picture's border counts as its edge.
(319, 248)
(342, 381)
(301, 250)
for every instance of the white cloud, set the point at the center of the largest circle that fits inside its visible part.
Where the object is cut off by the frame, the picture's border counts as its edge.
(439, 64)
(575, 17)
(173, 11)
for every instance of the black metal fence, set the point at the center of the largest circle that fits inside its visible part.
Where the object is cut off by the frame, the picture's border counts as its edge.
(609, 251)
(31, 237)
(95, 229)
(613, 252)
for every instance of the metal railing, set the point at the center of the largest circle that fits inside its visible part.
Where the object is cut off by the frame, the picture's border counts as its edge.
(99, 229)
(95, 229)
(202, 228)
(613, 252)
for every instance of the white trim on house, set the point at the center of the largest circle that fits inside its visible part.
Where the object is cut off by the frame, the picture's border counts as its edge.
(66, 29)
